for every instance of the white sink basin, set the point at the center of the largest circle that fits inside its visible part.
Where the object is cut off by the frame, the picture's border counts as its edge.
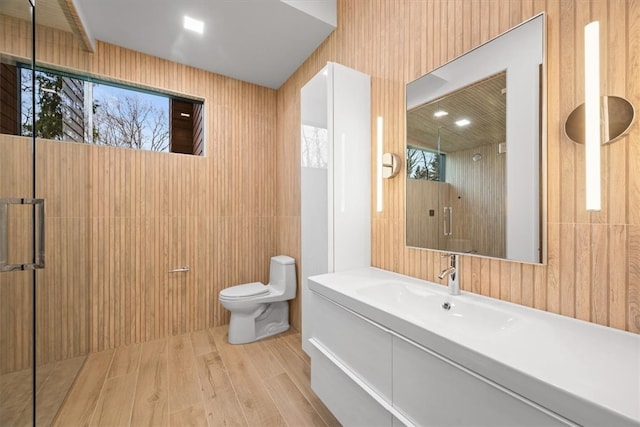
(474, 315)
(398, 294)
(429, 307)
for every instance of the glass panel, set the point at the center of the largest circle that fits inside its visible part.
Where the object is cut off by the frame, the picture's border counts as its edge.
(16, 181)
(61, 177)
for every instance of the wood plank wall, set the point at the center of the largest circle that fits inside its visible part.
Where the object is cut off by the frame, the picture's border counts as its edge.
(593, 264)
(119, 219)
(16, 292)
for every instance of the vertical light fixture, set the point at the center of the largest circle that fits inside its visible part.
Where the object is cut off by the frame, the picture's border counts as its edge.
(379, 165)
(592, 114)
(343, 171)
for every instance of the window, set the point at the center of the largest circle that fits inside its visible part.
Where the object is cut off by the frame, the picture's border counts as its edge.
(425, 164)
(87, 110)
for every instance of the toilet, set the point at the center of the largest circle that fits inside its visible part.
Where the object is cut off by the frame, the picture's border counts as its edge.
(257, 310)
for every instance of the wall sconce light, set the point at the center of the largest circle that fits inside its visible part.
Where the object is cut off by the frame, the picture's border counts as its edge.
(379, 165)
(600, 120)
(592, 113)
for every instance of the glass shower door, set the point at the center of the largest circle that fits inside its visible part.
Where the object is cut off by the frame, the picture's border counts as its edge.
(21, 219)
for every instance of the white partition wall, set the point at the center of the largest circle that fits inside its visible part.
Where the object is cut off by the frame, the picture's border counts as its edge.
(335, 176)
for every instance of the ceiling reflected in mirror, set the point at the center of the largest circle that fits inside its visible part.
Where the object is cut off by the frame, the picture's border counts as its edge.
(482, 103)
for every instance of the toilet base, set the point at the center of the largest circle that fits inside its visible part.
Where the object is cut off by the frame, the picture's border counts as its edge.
(270, 319)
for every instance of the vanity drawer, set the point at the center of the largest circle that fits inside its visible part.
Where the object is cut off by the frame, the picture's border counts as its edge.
(349, 402)
(433, 391)
(363, 347)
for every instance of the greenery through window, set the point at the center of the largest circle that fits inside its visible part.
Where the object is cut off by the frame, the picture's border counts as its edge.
(74, 108)
(425, 164)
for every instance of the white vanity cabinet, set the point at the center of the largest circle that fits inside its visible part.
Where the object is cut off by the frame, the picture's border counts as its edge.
(369, 375)
(388, 349)
(335, 176)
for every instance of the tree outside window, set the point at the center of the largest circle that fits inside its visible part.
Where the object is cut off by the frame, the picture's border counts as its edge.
(425, 164)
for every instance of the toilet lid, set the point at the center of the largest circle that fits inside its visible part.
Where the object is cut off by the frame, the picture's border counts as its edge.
(244, 291)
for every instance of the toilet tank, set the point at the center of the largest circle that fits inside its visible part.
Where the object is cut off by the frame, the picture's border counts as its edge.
(282, 275)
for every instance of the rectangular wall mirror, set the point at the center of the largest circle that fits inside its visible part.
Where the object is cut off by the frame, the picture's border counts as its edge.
(475, 154)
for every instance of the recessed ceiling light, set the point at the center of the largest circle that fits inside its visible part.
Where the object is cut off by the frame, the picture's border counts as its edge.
(463, 122)
(193, 25)
(440, 113)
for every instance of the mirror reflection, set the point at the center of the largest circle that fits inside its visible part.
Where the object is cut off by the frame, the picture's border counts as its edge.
(474, 150)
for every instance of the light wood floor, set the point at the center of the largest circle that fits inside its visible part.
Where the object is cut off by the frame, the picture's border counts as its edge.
(197, 379)
(53, 381)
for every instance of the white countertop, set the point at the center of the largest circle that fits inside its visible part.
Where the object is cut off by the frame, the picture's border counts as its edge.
(588, 371)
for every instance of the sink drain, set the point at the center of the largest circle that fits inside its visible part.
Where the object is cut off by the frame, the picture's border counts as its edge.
(446, 305)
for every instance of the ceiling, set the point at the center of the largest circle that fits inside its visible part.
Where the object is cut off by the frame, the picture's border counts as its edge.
(258, 41)
(482, 103)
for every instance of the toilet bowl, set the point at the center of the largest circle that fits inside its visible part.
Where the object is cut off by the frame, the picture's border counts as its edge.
(257, 310)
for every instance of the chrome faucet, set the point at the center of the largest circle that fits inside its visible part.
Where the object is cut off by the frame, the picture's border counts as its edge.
(452, 272)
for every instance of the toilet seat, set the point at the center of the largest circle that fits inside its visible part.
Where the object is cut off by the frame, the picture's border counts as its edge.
(244, 291)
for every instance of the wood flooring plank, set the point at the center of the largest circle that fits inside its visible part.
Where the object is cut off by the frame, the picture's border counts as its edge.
(83, 398)
(116, 401)
(184, 391)
(15, 395)
(264, 361)
(255, 401)
(42, 374)
(125, 360)
(16, 405)
(150, 405)
(294, 341)
(51, 395)
(203, 342)
(300, 373)
(219, 397)
(193, 416)
(296, 409)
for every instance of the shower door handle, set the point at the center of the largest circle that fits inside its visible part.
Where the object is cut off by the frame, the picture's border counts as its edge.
(448, 214)
(38, 250)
